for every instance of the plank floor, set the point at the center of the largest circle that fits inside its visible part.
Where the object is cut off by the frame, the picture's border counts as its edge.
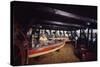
(64, 55)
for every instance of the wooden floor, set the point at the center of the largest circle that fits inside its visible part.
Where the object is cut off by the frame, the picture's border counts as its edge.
(64, 55)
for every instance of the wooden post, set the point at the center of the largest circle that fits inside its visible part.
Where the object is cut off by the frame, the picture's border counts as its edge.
(88, 36)
(92, 35)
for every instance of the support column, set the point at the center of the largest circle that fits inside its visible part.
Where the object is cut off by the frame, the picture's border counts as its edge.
(88, 36)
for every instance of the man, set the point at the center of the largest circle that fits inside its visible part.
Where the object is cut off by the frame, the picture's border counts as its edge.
(43, 40)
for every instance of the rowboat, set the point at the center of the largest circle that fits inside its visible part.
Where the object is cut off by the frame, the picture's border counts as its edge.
(46, 49)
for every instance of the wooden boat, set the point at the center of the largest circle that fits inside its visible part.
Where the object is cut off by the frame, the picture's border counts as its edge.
(46, 49)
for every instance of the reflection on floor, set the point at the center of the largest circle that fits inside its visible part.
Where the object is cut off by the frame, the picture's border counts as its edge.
(65, 54)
